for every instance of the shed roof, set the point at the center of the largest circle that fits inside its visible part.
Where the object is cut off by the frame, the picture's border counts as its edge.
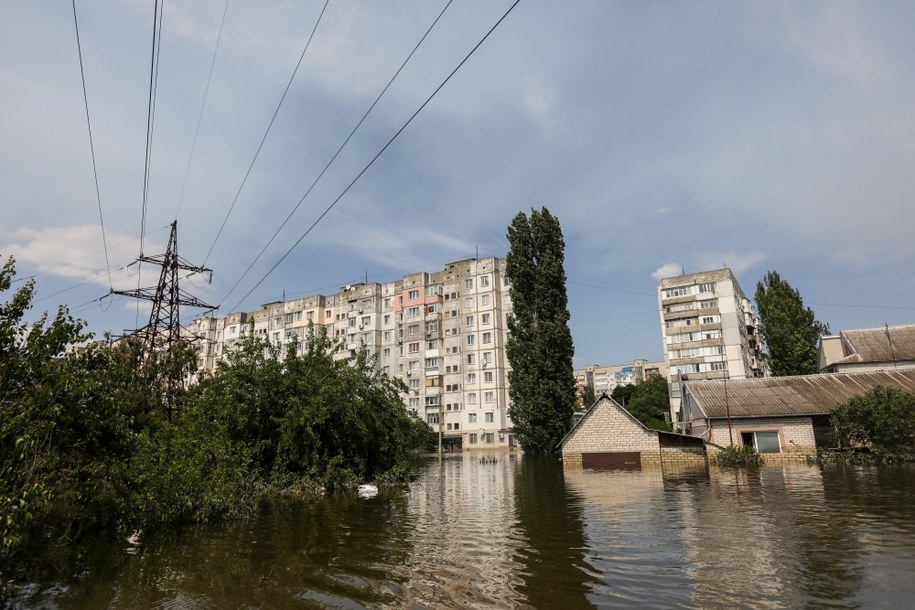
(788, 396)
(883, 344)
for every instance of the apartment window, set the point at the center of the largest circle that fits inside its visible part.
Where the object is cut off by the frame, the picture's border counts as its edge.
(387, 335)
(468, 321)
(471, 378)
(709, 319)
(432, 326)
(471, 398)
(487, 376)
(471, 358)
(413, 348)
(366, 320)
(488, 399)
(288, 318)
(707, 288)
(468, 303)
(487, 337)
(414, 403)
(233, 330)
(414, 384)
(434, 289)
(310, 316)
(485, 300)
(708, 303)
(484, 281)
(433, 401)
(388, 302)
(486, 318)
(470, 339)
(718, 366)
(413, 365)
(352, 322)
(679, 291)
(328, 314)
(413, 312)
(457, 426)
(490, 438)
(471, 418)
(432, 418)
(413, 329)
(386, 353)
(468, 284)
(431, 363)
(387, 318)
(472, 439)
(433, 344)
(414, 294)
(487, 357)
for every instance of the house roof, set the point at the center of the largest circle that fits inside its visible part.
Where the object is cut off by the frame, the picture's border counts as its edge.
(604, 397)
(883, 344)
(789, 396)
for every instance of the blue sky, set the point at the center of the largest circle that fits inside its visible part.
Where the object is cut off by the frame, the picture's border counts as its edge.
(758, 135)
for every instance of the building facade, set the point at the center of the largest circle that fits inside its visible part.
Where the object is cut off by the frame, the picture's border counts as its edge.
(710, 331)
(442, 333)
(605, 378)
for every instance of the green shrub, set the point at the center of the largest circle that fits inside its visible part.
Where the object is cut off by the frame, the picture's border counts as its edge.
(732, 455)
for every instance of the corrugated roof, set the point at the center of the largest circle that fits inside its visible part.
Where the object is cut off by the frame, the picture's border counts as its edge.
(882, 344)
(801, 395)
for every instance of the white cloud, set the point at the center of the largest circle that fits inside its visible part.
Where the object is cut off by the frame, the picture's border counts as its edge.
(668, 270)
(538, 101)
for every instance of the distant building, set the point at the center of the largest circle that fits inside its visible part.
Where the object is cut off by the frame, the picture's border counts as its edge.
(710, 331)
(605, 378)
(868, 349)
(442, 333)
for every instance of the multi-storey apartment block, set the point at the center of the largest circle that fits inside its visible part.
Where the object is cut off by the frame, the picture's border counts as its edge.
(709, 329)
(605, 378)
(443, 334)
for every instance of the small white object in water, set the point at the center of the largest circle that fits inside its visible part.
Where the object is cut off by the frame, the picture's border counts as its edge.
(368, 491)
(134, 538)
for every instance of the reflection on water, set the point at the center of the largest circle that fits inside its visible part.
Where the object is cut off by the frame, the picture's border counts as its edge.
(517, 531)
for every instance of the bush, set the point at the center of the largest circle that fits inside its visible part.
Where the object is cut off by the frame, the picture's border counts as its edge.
(881, 420)
(732, 455)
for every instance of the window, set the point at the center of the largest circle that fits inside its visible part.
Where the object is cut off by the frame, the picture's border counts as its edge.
(387, 318)
(470, 339)
(679, 291)
(386, 353)
(490, 438)
(366, 320)
(471, 378)
(708, 319)
(472, 439)
(431, 363)
(484, 281)
(413, 329)
(485, 300)
(471, 418)
(487, 376)
(351, 322)
(468, 303)
(413, 348)
(472, 398)
(432, 418)
(433, 401)
(433, 344)
(471, 358)
(387, 335)
(707, 288)
(413, 312)
(488, 399)
(486, 318)
(413, 365)
(434, 289)
(708, 303)
(487, 357)
(468, 284)
(432, 326)
(366, 303)
(310, 316)
(678, 307)
(468, 321)
(414, 403)
(233, 330)
(718, 366)
(765, 441)
(457, 426)
(288, 318)
(487, 337)
(414, 384)
(414, 294)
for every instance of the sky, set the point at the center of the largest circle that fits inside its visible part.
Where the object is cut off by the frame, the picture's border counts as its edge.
(665, 136)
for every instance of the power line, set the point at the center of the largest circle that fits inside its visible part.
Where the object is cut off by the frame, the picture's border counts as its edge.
(264, 139)
(339, 150)
(98, 196)
(203, 104)
(380, 152)
(151, 111)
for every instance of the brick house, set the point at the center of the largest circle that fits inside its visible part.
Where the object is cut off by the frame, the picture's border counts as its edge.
(608, 436)
(786, 418)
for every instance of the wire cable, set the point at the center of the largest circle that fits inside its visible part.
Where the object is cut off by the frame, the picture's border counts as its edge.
(378, 154)
(98, 196)
(339, 150)
(266, 133)
(203, 104)
(151, 112)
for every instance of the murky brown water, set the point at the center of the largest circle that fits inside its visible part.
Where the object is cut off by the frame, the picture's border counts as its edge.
(522, 533)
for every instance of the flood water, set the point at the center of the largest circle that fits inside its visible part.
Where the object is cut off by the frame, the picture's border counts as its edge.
(523, 533)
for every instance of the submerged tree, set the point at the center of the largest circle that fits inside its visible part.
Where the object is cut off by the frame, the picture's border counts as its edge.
(882, 419)
(539, 348)
(790, 330)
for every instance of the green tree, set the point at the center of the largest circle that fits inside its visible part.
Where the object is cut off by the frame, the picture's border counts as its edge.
(622, 393)
(649, 401)
(790, 330)
(882, 419)
(539, 348)
(588, 397)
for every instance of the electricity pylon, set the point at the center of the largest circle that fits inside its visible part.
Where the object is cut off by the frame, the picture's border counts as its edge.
(164, 328)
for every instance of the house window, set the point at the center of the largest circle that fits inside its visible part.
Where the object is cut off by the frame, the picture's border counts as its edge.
(366, 320)
(707, 288)
(468, 284)
(708, 303)
(487, 337)
(472, 398)
(470, 339)
(486, 318)
(471, 378)
(485, 300)
(413, 312)
(709, 319)
(413, 348)
(484, 281)
(431, 363)
(432, 418)
(487, 376)
(457, 426)
(414, 384)
(490, 438)
(472, 438)
(413, 365)
(471, 418)
(471, 358)
(387, 352)
(488, 398)
(414, 294)
(387, 335)
(765, 441)
(468, 321)
(679, 291)
(468, 303)
(433, 344)
(487, 357)
(413, 329)
(310, 316)
(414, 403)
(433, 401)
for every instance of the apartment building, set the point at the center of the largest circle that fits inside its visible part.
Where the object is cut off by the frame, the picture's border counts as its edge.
(710, 331)
(442, 333)
(605, 378)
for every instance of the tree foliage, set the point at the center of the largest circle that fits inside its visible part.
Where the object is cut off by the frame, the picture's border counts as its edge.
(649, 401)
(790, 330)
(588, 397)
(539, 348)
(882, 420)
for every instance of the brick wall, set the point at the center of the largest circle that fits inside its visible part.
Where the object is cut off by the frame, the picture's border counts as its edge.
(795, 436)
(607, 427)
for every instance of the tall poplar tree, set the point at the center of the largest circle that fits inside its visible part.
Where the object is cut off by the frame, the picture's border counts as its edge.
(790, 330)
(539, 348)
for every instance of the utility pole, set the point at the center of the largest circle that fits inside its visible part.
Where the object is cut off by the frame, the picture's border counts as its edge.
(164, 327)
